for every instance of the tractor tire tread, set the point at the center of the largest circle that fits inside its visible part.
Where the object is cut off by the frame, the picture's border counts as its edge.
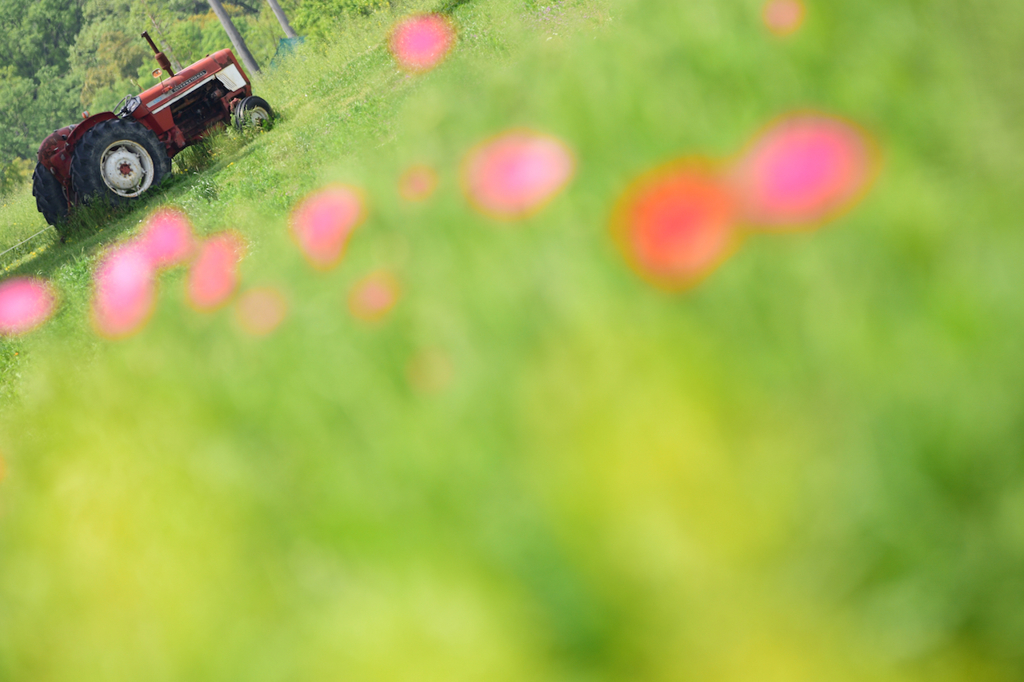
(85, 177)
(50, 198)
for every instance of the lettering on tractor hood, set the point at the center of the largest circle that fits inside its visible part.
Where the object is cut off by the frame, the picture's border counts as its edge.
(176, 89)
(184, 84)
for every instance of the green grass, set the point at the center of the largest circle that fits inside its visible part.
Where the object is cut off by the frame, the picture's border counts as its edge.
(807, 468)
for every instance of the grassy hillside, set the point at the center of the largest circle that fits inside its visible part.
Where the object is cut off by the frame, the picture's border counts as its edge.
(537, 466)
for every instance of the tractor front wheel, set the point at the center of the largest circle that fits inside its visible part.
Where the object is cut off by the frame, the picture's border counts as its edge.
(50, 198)
(119, 159)
(253, 112)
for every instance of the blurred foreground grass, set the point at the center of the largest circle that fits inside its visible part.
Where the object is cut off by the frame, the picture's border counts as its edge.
(808, 468)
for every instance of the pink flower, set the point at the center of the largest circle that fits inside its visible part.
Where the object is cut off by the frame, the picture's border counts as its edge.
(419, 43)
(25, 303)
(374, 296)
(125, 292)
(516, 173)
(213, 277)
(260, 311)
(322, 223)
(803, 170)
(167, 238)
(676, 224)
(783, 17)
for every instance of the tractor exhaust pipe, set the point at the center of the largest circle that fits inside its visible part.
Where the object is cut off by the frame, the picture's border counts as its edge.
(161, 58)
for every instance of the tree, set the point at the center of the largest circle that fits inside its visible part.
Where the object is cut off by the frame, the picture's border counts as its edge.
(35, 44)
(17, 131)
(37, 33)
(118, 58)
(30, 111)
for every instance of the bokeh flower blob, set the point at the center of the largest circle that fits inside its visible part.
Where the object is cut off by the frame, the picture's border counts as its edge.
(213, 277)
(676, 224)
(783, 17)
(417, 183)
(323, 222)
(374, 296)
(516, 173)
(167, 238)
(802, 171)
(25, 303)
(124, 293)
(419, 43)
(261, 311)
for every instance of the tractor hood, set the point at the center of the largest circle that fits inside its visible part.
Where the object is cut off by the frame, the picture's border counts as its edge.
(220, 65)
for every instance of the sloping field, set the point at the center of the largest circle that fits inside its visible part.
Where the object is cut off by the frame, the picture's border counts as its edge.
(537, 465)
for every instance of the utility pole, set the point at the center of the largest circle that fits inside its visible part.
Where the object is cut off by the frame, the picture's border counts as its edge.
(282, 18)
(236, 38)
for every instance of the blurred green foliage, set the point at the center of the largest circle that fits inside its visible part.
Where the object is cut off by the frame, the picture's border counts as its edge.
(809, 468)
(37, 94)
(13, 174)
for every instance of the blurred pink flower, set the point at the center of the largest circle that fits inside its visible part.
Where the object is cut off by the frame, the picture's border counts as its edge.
(802, 171)
(124, 293)
(25, 303)
(516, 173)
(783, 17)
(374, 296)
(417, 183)
(167, 238)
(213, 277)
(322, 223)
(676, 224)
(260, 311)
(419, 43)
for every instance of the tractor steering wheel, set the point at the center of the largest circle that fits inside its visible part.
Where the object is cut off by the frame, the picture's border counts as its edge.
(127, 105)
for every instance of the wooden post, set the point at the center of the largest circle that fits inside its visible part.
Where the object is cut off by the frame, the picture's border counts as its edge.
(282, 19)
(236, 38)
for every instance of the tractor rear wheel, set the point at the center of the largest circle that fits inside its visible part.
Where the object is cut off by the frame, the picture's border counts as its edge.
(253, 112)
(50, 198)
(119, 160)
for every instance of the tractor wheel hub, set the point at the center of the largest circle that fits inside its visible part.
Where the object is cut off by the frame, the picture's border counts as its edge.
(127, 168)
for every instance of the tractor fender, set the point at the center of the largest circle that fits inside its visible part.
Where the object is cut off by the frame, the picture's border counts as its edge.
(87, 125)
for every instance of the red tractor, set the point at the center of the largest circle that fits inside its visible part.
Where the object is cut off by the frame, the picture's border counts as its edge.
(120, 156)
